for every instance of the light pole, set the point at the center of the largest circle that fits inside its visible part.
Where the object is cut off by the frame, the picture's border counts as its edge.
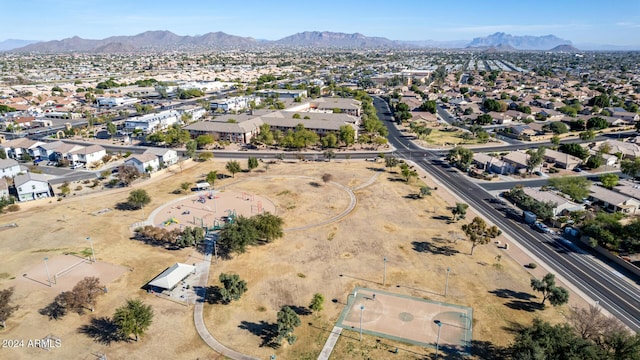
(384, 276)
(439, 323)
(47, 269)
(93, 253)
(361, 311)
(446, 283)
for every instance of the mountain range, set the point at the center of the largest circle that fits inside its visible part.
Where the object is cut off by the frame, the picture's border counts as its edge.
(166, 40)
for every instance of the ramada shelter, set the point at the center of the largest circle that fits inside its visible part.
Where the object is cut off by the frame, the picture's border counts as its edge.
(171, 277)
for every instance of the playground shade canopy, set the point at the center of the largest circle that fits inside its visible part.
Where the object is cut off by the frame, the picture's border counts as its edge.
(202, 185)
(169, 278)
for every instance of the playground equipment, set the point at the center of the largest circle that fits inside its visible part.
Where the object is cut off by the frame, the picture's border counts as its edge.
(231, 216)
(202, 199)
(216, 224)
(198, 221)
(171, 221)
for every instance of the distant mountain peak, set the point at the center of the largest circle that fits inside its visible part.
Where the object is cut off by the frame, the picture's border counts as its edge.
(526, 42)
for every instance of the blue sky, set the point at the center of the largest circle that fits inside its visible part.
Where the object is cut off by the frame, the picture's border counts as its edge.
(614, 22)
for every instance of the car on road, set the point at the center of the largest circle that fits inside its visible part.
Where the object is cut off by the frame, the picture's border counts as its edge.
(497, 201)
(540, 227)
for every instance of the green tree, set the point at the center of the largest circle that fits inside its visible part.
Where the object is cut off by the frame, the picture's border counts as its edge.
(111, 128)
(594, 161)
(407, 172)
(555, 140)
(138, 198)
(268, 226)
(535, 158)
(235, 237)
(204, 140)
(233, 167)
(212, 176)
(630, 167)
(133, 318)
(575, 150)
(556, 295)
(483, 119)
(459, 211)
(185, 186)
(3, 154)
(288, 320)
(597, 123)
(588, 135)
(545, 341)
(6, 309)
(460, 157)
(577, 187)
(429, 105)
(424, 191)
(232, 287)
(479, 233)
(391, 162)
(252, 163)
(316, 302)
(558, 127)
(191, 147)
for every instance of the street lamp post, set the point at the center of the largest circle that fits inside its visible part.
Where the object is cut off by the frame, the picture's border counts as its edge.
(384, 276)
(47, 269)
(361, 311)
(439, 323)
(93, 253)
(446, 283)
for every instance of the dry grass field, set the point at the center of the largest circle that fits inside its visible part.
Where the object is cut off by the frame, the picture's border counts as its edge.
(413, 234)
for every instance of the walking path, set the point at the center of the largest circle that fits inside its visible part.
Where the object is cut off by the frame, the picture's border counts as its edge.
(202, 269)
(331, 342)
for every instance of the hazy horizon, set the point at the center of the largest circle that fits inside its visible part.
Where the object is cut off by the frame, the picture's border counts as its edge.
(407, 21)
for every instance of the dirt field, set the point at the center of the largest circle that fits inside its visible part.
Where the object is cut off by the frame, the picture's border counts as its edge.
(385, 222)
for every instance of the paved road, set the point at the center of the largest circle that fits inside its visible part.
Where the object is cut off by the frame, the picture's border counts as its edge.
(596, 280)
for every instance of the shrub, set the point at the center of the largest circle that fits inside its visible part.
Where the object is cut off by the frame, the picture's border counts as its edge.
(532, 265)
(13, 207)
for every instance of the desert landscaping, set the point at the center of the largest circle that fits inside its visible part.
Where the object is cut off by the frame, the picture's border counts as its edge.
(327, 248)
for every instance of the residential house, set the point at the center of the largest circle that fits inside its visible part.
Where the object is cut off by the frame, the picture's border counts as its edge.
(166, 157)
(115, 101)
(492, 164)
(282, 93)
(562, 206)
(87, 155)
(145, 162)
(63, 151)
(628, 150)
(517, 160)
(552, 115)
(624, 114)
(500, 118)
(561, 160)
(615, 121)
(149, 123)
(32, 186)
(235, 103)
(519, 131)
(17, 147)
(9, 168)
(239, 131)
(613, 201)
(47, 151)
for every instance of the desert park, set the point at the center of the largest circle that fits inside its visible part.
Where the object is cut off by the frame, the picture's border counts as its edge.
(322, 252)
